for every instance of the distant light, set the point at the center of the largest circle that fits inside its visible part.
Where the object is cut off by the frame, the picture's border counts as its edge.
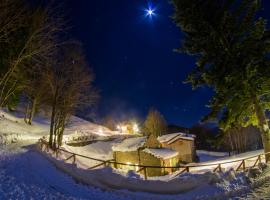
(135, 128)
(124, 129)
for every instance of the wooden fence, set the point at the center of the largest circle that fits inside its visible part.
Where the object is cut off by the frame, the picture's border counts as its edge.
(217, 167)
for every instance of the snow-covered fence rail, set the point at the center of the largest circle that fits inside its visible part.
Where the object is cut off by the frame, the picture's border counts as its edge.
(216, 166)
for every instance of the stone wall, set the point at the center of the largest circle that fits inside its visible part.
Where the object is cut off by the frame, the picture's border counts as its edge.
(185, 149)
(144, 159)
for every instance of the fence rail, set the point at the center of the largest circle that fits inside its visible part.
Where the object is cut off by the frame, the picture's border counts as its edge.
(182, 168)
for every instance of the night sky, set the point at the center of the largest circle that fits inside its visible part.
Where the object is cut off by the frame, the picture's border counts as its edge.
(133, 59)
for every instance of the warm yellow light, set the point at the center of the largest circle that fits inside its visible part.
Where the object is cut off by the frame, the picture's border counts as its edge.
(135, 128)
(124, 128)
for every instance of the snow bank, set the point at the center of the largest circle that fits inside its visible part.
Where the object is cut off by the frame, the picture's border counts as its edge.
(230, 162)
(107, 178)
(213, 153)
(210, 155)
(186, 186)
(101, 150)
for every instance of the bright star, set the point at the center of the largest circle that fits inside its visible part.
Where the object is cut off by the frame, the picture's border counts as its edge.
(150, 12)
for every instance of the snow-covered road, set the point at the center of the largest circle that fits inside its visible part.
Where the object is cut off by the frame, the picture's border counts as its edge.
(25, 174)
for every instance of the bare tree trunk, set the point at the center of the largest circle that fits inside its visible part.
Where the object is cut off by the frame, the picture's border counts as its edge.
(52, 124)
(26, 113)
(33, 110)
(263, 127)
(231, 142)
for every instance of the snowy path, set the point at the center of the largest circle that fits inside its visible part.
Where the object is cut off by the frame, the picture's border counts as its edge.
(25, 174)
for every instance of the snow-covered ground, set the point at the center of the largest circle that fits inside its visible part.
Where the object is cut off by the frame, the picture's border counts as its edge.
(228, 162)
(13, 128)
(210, 155)
(27, 174)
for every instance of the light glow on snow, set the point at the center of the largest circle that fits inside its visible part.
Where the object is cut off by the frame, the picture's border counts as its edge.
(122, 128)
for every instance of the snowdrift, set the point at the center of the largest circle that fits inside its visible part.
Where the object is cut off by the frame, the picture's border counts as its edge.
(108, 178)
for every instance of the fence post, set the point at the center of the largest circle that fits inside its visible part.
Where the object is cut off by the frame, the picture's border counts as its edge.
(244, 165)
(145, 174)
(47, 148)
(74, 159)
(187, 169)
(56, 153)
(219, 167)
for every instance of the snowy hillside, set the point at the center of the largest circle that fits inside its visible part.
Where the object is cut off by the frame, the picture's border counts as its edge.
(13, 128)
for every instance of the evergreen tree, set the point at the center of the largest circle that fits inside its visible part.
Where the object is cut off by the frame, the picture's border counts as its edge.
(232, 48)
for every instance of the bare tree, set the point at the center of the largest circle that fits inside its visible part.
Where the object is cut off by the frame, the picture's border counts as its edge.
(12, 13)
(35, 90)
(34, 40)
(155, 124)
(70, 84)
(242, 139)
(109, 122)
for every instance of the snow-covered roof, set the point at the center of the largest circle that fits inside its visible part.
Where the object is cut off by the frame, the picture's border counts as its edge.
(130, 144)
(162, 153)
(170, 138)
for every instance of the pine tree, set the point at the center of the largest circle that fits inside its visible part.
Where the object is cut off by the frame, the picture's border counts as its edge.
(232, 47)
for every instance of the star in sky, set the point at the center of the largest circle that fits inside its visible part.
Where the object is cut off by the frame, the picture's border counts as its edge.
(150, 11)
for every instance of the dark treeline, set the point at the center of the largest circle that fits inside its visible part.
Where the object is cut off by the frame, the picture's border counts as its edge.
(40, 65)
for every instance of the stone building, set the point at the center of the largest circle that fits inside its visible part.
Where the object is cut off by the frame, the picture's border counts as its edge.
(145, 151)
(182, 143)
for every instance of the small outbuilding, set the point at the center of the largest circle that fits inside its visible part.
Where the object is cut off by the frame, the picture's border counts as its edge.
(147, 151)
(182, 143)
